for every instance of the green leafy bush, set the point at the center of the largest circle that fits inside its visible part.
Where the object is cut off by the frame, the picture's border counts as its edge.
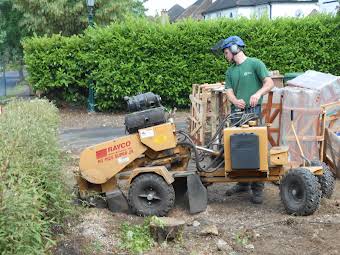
(140, 56)
(32, 193)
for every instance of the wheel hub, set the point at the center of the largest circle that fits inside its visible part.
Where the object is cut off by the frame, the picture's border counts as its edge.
(294, 192)
(149, 197)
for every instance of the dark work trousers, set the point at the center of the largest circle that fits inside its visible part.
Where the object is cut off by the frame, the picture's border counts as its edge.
(255, 186)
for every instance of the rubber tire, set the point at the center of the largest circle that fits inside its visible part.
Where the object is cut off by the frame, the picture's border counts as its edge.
(311, 190)
(327, 180)
(164, 191)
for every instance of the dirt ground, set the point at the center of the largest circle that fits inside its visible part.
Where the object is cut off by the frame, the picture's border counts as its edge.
(246, 228)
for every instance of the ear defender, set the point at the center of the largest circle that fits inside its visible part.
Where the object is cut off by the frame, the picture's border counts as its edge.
(234, 49)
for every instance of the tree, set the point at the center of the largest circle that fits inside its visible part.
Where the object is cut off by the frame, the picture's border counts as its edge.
(11, 33)
(2, 40)
(2, 48)
(20, 18)
(69, 17)
(52, 16)
(108, 11)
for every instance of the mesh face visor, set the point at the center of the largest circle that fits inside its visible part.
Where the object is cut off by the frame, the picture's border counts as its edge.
(217, 48)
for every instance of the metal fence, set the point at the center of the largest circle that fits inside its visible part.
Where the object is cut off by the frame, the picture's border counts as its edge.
(10, 83)
(3, 81)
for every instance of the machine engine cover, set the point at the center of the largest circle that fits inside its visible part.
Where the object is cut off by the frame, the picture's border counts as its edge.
(244, 150)
(143, 119)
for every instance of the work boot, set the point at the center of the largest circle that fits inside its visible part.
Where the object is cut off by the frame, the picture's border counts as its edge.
(257, 192)
(237, 188)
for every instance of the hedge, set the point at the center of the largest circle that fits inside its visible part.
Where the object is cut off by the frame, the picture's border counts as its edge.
(32, 193)
(140, 56)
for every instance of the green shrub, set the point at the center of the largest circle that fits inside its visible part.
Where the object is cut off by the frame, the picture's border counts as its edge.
(140, 56)
(32, 193)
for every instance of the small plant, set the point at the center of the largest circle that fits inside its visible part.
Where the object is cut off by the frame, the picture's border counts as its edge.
(136, 238)
(245, 236)
(179, 237)
(157, 221)
(93, 248)
(241, 239)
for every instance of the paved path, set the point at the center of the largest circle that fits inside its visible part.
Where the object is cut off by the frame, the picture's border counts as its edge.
(75, 140)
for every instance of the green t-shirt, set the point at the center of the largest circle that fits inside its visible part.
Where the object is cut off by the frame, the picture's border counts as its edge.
(246, 79)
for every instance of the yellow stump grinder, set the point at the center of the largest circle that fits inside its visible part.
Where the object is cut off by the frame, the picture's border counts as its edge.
(144, 171)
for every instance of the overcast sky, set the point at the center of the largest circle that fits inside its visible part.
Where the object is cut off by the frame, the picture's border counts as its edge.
(155, 6)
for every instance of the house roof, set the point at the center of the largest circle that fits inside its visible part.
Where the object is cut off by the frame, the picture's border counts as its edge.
(175, 11)
(195, 10)
(227, 4)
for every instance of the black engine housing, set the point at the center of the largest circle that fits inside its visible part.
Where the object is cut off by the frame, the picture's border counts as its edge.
(144, 119)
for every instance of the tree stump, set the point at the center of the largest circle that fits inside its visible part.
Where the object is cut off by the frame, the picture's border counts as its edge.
(166, 228)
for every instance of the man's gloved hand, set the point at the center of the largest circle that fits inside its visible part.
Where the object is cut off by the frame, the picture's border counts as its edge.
(254, 99)
(239, 103)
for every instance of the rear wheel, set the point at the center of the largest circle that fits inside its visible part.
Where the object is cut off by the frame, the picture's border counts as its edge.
(300, 192)
(327, 180)
(149, 194)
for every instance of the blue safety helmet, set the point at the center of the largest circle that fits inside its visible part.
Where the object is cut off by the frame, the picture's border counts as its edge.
(233, 40)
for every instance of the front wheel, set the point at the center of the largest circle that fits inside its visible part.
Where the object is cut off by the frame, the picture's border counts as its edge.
(300, 192)
(149, 194)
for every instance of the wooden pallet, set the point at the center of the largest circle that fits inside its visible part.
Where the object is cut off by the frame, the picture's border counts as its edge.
(271, 116)
(332, 151)
(330, 144)
(209, 105)
(327, 121)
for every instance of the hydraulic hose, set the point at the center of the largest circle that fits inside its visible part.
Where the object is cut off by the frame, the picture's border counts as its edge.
(199, 157)
(198, 165)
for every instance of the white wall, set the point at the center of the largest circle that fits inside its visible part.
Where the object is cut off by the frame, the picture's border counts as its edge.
(278, 10)
(210, 16)
(292, 9)
(329, 6)
(230, 13)
(245, 11)
(261, 10)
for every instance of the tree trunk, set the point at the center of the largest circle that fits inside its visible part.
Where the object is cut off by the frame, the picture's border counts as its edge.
(21, 70)
(166, 229)
(4, 75)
